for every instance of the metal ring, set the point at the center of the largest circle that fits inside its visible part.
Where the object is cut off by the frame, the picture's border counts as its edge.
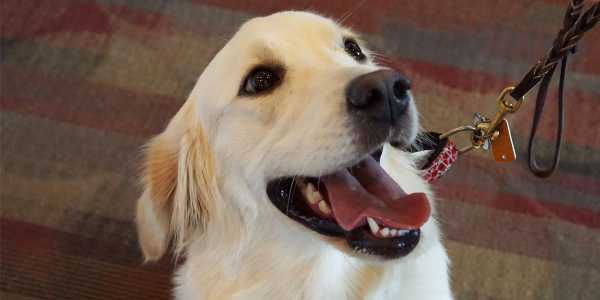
(506, 104)
(457, 130)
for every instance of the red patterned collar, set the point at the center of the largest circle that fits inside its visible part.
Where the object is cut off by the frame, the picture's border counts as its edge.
(443, 154)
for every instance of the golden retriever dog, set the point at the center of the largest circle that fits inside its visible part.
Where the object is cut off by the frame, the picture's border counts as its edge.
(277, 178)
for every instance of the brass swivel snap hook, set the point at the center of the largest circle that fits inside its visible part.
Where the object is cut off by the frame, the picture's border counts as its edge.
(505, 106)
(492, 133)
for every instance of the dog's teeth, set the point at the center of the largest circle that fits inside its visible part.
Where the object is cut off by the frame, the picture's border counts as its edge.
(402, 232)
(317, 195)
(324, 207)
(385, 232)
(373, 225)
(313, 199)
(312, 195)
(393, 232)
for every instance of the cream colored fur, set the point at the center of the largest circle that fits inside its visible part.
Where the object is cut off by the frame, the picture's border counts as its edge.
(205, 177)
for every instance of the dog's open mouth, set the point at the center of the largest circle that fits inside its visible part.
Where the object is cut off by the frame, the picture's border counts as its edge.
(361, 204)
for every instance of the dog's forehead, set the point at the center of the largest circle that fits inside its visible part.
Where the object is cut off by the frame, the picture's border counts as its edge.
(293, 22)
(291, 28)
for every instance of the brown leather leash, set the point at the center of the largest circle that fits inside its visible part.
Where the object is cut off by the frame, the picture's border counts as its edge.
(495, 133)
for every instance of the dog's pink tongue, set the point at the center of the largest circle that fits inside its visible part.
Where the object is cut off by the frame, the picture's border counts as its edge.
(368, 191)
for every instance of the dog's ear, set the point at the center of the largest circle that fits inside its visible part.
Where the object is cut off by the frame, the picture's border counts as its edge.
(178, 182)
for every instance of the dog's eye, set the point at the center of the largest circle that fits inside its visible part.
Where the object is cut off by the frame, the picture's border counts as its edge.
(352, 48)
(261, 79)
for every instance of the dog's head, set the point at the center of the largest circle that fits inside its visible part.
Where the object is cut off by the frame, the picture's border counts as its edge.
(283, 125)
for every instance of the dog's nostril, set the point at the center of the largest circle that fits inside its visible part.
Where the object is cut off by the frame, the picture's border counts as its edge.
(401, 88)
(400, 98)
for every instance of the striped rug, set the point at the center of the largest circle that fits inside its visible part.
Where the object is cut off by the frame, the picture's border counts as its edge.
(84, 83)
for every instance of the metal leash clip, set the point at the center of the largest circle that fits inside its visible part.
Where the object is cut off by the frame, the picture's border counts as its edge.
(492, 133)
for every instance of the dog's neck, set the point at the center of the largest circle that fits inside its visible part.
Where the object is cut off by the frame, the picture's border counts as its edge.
(269, 261)
(275, 271)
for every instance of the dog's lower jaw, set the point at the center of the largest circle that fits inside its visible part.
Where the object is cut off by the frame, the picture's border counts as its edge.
(274, 272)
(293, 263)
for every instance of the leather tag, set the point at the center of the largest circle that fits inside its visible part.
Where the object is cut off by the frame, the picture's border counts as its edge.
(502, 146)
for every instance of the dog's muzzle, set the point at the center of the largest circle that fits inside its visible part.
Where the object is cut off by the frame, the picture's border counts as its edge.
(360, 202)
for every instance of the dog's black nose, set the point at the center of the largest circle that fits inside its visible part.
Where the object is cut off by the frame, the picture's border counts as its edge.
(382, 94)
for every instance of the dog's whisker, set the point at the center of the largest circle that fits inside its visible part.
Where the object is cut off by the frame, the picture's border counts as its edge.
(319, 178)
(349, 13)
(344, 17)
(290, 193)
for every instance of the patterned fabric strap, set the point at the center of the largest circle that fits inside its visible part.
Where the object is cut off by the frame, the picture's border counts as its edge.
(443, 153)
(441, 163)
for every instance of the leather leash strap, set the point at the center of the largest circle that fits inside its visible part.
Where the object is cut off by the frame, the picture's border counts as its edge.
(575, 24)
